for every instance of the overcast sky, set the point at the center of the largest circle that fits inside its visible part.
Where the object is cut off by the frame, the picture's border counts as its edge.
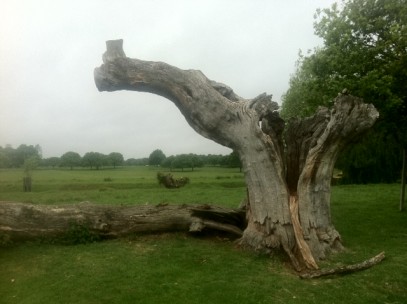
(49, 48)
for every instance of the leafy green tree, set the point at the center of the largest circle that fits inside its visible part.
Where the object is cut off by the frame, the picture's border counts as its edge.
(5, 161)
(115, 159)
(180, 162)
(23, 152)
(156, 158)
(94, 159)
(365, 46)
(137, 162)
(70, 159)
(193, 160)
(31, 163)
(213, 160)
(51, 162)
(183, 161)
(39, 150)
(169, 162)
(233, 160)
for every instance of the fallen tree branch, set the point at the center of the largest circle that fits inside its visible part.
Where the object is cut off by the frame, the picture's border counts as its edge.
(21, 221)
(344, 269)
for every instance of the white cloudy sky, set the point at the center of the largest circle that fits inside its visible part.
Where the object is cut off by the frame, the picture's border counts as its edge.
(49, 48)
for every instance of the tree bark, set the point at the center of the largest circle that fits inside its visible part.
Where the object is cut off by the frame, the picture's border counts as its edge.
(20, 221)
(282, 161)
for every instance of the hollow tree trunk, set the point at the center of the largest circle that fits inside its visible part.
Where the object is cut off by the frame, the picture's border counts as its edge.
(288, 167)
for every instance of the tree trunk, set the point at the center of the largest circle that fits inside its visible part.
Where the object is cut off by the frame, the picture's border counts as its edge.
(287, 165)
(20, 221)
(27, 182)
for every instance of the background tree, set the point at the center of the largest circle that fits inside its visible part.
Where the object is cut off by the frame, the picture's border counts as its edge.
(70, 159)
(233, 161)
(180, 162)
(169, 162)
(51, 162)
(183, 161)
(213, 159)
(190, 160)
(39, 150)
(23, 152)
(94, 160)
(10, 157)
(156, 158)
(137, 162)
(365, 46)
(5, 161)
(31, 163)
(115, 159)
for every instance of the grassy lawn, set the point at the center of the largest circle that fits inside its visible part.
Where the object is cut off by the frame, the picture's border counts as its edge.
(128, 185)
(178, 268)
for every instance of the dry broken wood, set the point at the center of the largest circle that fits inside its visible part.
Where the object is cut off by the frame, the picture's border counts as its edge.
(299, 235)
(344, 269)
(280, 159)
(21, 221)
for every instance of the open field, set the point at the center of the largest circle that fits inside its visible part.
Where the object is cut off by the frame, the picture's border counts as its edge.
(127, 185)
(178, 268)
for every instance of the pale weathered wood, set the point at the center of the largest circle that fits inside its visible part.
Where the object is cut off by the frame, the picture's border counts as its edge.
(279, 159)
(344, 269)
(21, 221)
(313, 145)
(299, 235)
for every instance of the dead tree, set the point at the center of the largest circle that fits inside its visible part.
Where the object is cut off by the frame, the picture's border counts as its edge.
(287, 165)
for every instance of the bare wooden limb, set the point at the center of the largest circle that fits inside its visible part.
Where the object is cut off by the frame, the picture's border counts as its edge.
(345, 269)
(20, 221)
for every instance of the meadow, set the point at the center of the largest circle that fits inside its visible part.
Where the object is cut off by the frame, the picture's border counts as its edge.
(180, 268)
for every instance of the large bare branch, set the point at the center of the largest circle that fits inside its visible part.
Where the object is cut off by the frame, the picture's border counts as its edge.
(211, 108)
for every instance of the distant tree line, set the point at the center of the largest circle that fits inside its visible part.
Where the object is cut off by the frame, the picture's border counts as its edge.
(19, 157)
(191, 161)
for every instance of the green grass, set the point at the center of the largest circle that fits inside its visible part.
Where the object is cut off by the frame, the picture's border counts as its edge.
(178, 268)
(128, 185)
